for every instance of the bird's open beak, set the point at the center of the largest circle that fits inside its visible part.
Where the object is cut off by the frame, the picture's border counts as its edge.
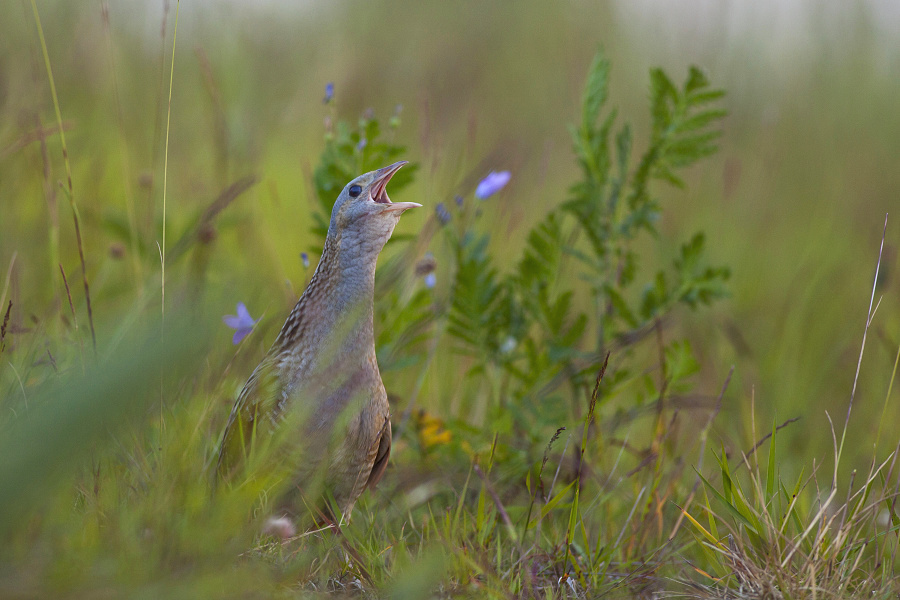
(378, 192)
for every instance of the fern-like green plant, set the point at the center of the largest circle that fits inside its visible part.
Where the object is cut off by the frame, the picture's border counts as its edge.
(529, 323)
(477, 312)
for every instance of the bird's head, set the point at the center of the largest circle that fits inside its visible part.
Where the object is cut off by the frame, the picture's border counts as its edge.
(363, 216)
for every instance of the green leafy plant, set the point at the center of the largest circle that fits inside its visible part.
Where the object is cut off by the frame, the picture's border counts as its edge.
(527, 323)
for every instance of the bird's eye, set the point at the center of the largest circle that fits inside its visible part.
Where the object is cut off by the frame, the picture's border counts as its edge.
(355, 191)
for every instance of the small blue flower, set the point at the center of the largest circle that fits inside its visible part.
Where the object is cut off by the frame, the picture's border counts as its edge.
(329, 92)
(305, 258)
(361, 145)
(458, 200)
(242, 323)
(441, 211)
(493, 183)
(430, 280)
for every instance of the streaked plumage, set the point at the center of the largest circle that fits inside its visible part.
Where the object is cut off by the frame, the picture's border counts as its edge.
(322, 365)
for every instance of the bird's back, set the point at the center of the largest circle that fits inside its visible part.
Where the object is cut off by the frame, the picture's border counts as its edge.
(320, 382)
(323, 385)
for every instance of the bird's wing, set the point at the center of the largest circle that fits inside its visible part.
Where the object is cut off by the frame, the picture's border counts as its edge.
(253, 412)
(381, 456)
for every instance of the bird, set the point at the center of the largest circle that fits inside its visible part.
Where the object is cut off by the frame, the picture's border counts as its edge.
(320, 378)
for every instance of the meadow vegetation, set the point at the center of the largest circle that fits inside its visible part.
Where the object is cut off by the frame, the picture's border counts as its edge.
(556, 431)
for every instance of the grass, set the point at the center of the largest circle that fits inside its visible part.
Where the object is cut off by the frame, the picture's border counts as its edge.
(620, 457)
(837, 546)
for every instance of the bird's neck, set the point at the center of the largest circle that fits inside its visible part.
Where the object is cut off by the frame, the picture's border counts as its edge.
(347, 279)
(337, 305)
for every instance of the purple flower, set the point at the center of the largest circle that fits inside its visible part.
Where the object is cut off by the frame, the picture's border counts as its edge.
(458, 200)
(362, 144)
(441, 211)
(493, 183)
(430, 280)
(329, 92)
(242, 323)
(304, 257)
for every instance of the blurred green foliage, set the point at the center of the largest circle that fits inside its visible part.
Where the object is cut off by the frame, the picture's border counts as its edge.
(488, 494)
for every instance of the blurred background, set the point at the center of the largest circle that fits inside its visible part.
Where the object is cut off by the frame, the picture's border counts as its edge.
(794, 202)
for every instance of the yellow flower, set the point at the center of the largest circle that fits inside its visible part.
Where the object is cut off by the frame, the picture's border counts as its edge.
(431, 430)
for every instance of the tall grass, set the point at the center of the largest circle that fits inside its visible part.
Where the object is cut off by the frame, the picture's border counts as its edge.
(809, 538)
(69, 189)
(554, 440)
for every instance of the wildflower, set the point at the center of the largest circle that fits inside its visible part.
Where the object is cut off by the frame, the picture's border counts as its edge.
(304, 257)
(509, 344)
(493, 183)
(362, 144)
(441, 211)
(426, 265)
(458, 200)
(430, 280)
(329, 92)
(242, 323)
(431, 429)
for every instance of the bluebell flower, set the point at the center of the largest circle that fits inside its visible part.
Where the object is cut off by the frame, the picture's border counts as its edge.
(430, 280)
(493, 183)
(441, 211)
(304, 257)
(242, 323)
(362, 144)
(329, 92)
(458, 200)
